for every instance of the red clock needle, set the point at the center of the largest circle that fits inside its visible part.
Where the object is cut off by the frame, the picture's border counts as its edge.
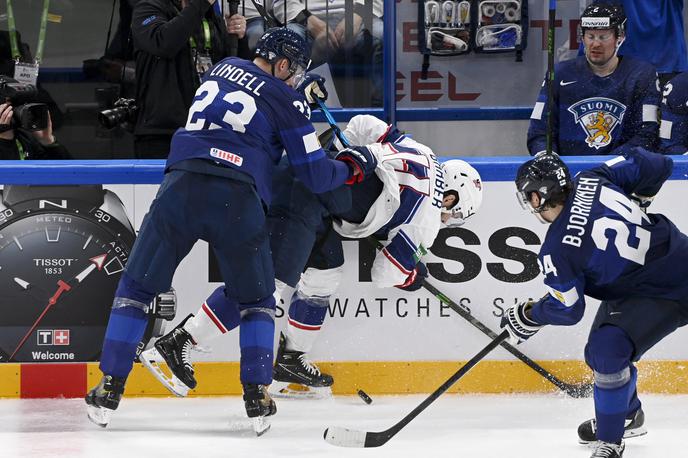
(96, 263)
(61, 287)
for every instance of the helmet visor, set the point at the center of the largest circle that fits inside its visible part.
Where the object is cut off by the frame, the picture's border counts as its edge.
(298, 72)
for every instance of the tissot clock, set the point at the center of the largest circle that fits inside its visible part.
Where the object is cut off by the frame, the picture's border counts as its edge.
(62, 252)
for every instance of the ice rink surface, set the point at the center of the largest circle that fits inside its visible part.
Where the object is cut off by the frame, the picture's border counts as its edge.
(512, 426)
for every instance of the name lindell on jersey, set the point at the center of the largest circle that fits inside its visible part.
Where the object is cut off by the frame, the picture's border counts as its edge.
(238, 76)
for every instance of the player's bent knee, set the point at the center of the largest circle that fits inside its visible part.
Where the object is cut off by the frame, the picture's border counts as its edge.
(131, 294)
(608, 353)
(265, 307)
(320, 283)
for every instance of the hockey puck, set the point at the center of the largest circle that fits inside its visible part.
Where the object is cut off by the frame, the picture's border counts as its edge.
(367, 399)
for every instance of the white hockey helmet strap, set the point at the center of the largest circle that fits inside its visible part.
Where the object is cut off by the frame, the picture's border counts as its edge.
(464, 182)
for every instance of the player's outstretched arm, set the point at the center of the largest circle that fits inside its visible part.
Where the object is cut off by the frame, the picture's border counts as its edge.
(639, 171)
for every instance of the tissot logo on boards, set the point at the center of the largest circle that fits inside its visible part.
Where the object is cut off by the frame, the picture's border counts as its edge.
(52, 336)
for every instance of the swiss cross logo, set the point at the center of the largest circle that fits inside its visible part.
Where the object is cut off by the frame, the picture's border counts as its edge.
(52, 337)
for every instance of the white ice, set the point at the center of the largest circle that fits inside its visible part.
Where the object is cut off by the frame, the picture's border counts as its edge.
(457, 426)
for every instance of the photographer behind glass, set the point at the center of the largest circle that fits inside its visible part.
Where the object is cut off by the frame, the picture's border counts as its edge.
(26, 130)
(175, 41)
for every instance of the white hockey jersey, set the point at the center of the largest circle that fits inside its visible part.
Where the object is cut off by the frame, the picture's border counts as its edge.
(407, 212)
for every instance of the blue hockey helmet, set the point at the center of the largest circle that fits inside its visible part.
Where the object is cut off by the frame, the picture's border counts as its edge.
(546, 175)
(284, 43)
(603, 17)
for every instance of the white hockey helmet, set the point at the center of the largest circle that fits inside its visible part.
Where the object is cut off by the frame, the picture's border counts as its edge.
(463, 182)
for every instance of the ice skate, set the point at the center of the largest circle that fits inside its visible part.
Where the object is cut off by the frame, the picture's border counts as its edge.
(103, 399)
(259, 406)
(173, 348)
(608, 450)
(294, 375)
(634, 427)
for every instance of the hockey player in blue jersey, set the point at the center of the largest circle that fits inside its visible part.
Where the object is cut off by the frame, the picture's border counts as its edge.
(216, 187)
(601, 243)
(673, 129)
(665, 50)
(603, 103)
(403, 204)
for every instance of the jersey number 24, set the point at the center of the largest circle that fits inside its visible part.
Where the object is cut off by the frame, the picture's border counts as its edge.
(624, 207)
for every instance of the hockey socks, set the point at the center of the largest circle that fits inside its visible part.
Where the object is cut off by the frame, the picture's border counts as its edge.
(217, 315)
(306, 316)
(124, 332)
(256, 339)
(608, 353)
(128, 321)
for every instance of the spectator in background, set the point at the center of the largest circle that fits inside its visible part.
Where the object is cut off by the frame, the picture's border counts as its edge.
(18, 143)
(7, 62)
(655, 34)
(175, 41)
(325, 20)
(673, 130)
(603, 103)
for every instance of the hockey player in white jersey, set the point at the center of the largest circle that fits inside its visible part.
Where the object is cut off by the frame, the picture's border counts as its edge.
(404, 205)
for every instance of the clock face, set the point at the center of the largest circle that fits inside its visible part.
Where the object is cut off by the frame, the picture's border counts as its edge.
(58, 275)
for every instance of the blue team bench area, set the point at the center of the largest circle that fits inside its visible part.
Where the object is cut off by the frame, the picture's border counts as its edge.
(151, 171)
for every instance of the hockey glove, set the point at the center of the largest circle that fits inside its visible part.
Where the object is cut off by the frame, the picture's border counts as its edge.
(516, 320)
(642, 201)
(313, 87)
(415, 280)
(361, 160)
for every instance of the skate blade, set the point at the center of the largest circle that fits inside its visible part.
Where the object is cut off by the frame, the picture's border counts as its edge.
(261, 425)
(99, 415)
(296, 391)
(153, 361)
(630, 434)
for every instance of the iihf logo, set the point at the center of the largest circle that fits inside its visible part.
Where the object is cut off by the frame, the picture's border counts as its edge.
(598, 116)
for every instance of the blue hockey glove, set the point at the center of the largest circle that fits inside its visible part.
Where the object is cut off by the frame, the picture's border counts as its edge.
(519, 325)
(361, 160)
(313, 87)
(415, 280)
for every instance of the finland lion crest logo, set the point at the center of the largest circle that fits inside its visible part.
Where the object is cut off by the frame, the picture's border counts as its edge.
(598, 116)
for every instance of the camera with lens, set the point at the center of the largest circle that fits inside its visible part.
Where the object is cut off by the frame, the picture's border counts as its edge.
(123, 113)
(27, 114)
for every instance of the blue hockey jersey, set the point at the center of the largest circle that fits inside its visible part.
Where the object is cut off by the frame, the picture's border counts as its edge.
(604, 246)
(244, 118)
(654, 33)
(673, 130)
(598, 115)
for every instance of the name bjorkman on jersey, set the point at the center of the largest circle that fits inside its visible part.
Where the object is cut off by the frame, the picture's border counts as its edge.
(238, 76)
(580, 210)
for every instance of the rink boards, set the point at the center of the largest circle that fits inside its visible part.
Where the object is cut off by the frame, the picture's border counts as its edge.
(383, 340)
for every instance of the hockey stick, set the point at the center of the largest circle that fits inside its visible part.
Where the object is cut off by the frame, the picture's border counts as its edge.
(572, 389)
(330, 120)
(550, 74)
(344, 437)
